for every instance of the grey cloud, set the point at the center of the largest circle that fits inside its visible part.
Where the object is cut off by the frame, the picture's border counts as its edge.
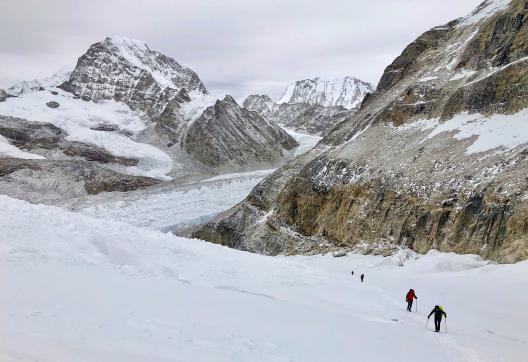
(236, 46)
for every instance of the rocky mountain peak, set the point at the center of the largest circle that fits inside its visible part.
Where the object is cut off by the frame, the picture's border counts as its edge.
(129, 71)
(347, 92)
(165, 70)
(261, 104)
(226, 135)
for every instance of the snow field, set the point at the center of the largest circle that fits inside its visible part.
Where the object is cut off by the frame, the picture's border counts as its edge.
(500, 132)
(77, 117)
(77, 288)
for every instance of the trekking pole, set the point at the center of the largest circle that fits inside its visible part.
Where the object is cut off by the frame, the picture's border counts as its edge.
(427, 323)
(445, 323)
(416, 305)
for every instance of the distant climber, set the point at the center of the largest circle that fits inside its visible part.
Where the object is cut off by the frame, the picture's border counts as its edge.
(352, 272)
(438, 313)
(362, 277)
(411, 296)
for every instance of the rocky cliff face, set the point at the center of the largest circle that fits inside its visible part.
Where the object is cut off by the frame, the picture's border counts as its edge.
(303, 117)
(435, 158)
(346, 92)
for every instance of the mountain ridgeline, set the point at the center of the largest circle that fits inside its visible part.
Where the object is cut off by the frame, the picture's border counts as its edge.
(131, 112)
(435, 158)
(314, 106)
(347, 92)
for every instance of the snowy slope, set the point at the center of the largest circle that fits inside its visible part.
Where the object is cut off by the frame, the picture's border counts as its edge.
(83, 289)
(486, 9)
(78, 118)
(35, 85)
(8, 150)
(347, 92)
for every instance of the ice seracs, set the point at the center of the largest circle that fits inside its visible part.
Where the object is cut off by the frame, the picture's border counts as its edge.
(485, 10)
(128, 71)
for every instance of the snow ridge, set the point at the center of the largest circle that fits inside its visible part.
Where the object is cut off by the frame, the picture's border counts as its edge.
(347, 92)
(141, 56)
(29, 86)
(485, 10)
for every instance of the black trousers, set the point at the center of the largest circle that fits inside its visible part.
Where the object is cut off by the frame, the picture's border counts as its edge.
(409, 305)
(438, 322)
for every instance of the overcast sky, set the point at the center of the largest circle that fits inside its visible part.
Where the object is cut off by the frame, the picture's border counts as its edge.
(236, 46)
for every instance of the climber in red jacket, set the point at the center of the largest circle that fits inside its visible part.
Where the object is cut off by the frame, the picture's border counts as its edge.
(410, 298)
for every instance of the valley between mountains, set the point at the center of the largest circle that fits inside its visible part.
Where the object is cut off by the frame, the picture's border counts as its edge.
(145, 218)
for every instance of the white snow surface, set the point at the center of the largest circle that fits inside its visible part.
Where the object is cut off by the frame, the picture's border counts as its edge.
(488, 9)
(347, 92)
(501, 132)
(76, 288)
(183, 206)
(77, 117)
(464, 73)
(28, 86)
(8, 150)
(199, 103)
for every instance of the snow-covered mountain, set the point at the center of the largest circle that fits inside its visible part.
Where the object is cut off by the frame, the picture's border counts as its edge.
(347, 92)
(138, 112)
(128, 71)
(256, 138)
(303, 117)
(435, 158)
(61, 76)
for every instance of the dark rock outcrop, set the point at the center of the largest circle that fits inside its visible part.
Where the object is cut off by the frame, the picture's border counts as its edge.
(43, 137)
(53, 104)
